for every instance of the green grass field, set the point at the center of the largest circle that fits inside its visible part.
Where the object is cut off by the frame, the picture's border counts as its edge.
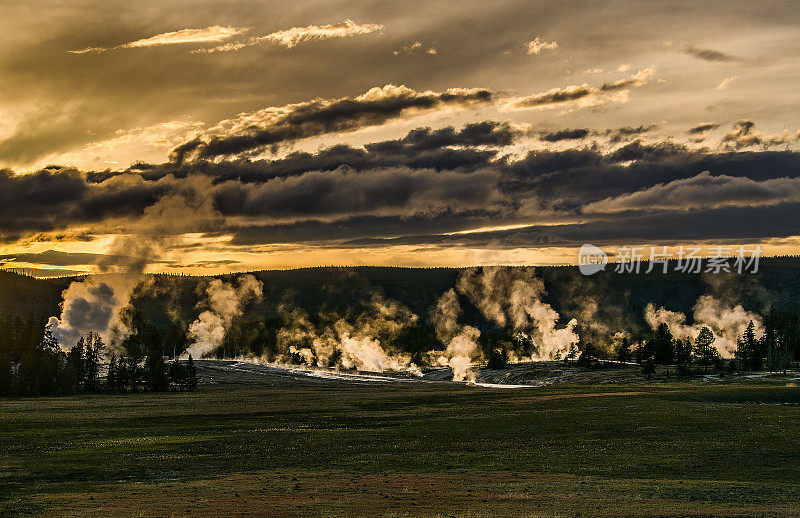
(400, 449)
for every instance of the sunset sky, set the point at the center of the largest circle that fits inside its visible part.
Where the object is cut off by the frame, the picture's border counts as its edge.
(225, 136)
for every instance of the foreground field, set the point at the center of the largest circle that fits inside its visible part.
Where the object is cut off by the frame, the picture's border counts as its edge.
(400, 448)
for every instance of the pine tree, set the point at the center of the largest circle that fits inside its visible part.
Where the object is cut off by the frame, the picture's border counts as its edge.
(663, 345)
(94, 350)
(646, 353)
(648, 367)
(705, 352)
(113, 373)
(123, 374)
(624, 351)
(155, 371)
(133, 371)
(191, 374)
(76, 365)
(177, 375)
(751, 357)
(683, 351)
(498, 358)
(587, 355)
(572, 353)
(49, 342)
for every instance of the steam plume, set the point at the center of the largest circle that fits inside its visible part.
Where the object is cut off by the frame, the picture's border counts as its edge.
(94, 303)
(360, 344)
(725, 321)
(512, 297)
(462, 346)
(226, 302)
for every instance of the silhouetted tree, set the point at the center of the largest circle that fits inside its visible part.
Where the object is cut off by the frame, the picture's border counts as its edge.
(191, 374)
(498, 358)
(705, 352)
(748, 353)
(683, 351)
(648, 367)
(155, 372)
(92, 355)
(587, 355)
(123, 374)
(646, 357)
(75, 378)
(113, 373)
(663, 345)
(624, 351)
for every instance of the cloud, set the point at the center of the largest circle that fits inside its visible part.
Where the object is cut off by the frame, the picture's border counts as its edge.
(294, 36)
(415, 189)
(704, 191)
(582, 95)
(332, 195)
(211, 34)
(565, 134)
(472, 147)
(273, 126)
(627, 132)
(52, 258)
(707, 54)
(726, 83)
(414, 49)
(702, 128)
(743, 135)
(536, 46)
(87, 50)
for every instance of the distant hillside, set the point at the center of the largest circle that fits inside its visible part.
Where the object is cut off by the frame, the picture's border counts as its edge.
(22, 296)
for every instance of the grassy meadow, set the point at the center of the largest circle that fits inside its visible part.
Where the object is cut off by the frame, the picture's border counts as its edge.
(406, 449)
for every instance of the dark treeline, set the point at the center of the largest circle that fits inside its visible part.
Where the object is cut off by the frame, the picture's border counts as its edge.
(33, 364)
(159, 317)
(620, 298)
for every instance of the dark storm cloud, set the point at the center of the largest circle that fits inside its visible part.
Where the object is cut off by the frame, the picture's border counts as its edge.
(573, 93)
(571, 179)
(273, 126)
(567, 181)
(354, 228)
(422, 148)
(429, 182)
(487, 133)
(60, 198)
(627, 132)
(726, 224)
(704, 191)
(60, 102)
(654, 152)
(52, 258)
(742, 135)
(556, 96)
(614, 135)
(36, 201)
(565, 134)
(707, 54)
(702, 128)
(345, 192)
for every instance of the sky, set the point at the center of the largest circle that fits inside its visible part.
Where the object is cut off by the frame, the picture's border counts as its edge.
(205, 137)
